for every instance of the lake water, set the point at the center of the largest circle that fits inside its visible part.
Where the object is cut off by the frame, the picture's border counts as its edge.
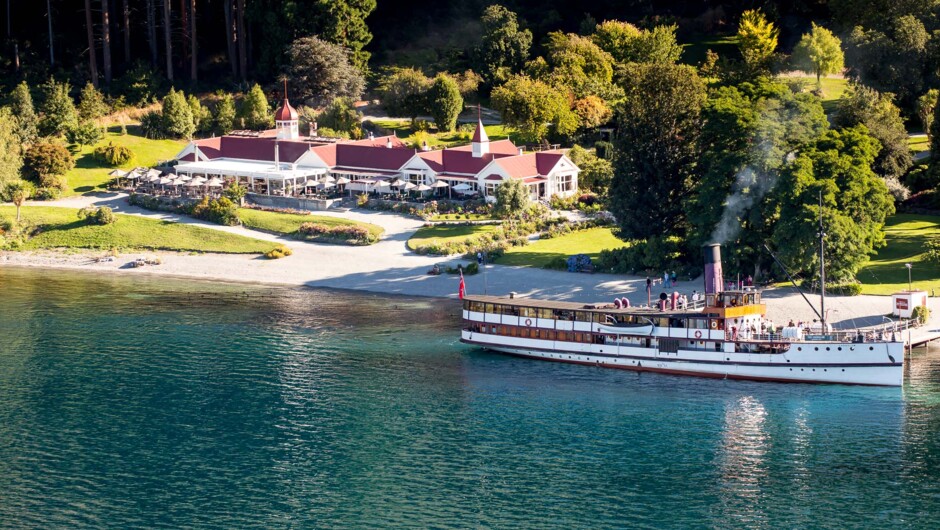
(147, 402)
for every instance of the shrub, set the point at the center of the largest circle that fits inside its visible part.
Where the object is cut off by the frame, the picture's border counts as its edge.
(845, 289)
(932, 256)
(151, 123)
(84, 133)
(220, 211)
(278, 252)
(557, 263)
(101, 215)
(44, 160)
(47, 194)
(235, 192)
(362, 199)
(921, 314)
(349, 234)
(604, 150)
(139, 85)
(898, 191)
(113, 155)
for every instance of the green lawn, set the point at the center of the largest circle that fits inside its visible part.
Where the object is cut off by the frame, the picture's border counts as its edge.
(288, 223)
(425, 235)
(448, 139)
(905, 234)
(695, 50)
(539, 253)
(90, 175)
(918, 143)
(61, 228)
(832, 88)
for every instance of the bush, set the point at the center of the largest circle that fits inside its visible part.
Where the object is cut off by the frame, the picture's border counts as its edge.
(235, 192)
(101, 216)
(362, 199)
(220, 211)
(47, 194)
(84, 133)
(557, 263)
(113, 155)
(348, 234)
(151, 123)
(932, 256)
(897, 190)
(139, 85)
(278, 252)
(845, 289)
(44, 160)
(604, 150)
(921, 314)
(922, 177)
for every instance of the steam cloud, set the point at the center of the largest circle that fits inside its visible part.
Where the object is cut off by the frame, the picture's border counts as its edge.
(748, 188)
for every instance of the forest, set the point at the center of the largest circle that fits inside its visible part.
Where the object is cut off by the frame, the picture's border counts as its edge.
(692, 122)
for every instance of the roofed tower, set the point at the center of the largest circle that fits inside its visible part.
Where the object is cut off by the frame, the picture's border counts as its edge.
(286, 120)
(480, 143)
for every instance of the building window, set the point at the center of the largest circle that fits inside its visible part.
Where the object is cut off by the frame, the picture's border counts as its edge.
(416, 178)
(564, 183)
(491, 188)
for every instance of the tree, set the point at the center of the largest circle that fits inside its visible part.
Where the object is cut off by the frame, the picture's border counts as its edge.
(18, 192)
(404, 92)
(91, 104)
(224, 119)
(504, 46)
(11, 157)
(255, 112)
(512, 199)
(926, 104)
(627, 44)
(92, 54)
(341, 115)
(167, 39)
(856, 203)
(21, 105)
(445, 102)
(596, 173)
(592, 112)
(860, 105)
(58, 110)
(343, 22)
(322, 71)
(85, 133)
(656, 149)
(202, 119)
(47, 160)
(820, 52)
(577, 65)
(106, 41)
(530, 106)
(757, 39)
(177, 116)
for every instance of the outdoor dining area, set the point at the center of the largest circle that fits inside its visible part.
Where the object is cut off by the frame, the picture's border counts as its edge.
(398, 189)
(155, 182)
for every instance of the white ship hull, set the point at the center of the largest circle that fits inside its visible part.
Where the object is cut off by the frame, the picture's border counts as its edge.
(870, 363)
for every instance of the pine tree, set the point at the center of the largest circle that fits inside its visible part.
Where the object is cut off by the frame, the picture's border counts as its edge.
(21, 103)
(58, 110)
(177, 116)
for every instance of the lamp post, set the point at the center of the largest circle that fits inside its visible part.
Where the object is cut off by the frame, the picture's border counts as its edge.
(908, 265)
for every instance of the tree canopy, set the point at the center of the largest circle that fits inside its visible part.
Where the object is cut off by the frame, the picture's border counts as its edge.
(504, 46)
(628, 44)
(757, 39)
(445, 102)
(820, 52)
(322, 71)
(531, 106)
(861, 105)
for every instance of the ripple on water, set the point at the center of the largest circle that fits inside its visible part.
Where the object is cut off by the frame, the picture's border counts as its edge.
(153, 403)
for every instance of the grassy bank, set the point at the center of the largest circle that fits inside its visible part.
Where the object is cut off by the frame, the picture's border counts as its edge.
(539, 253)
(905, 235)
(403, 129)
(447, 233)
(288, 223)
(52, 227)
(90, 175)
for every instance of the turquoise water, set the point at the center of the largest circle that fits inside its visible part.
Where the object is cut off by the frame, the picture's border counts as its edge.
(157, 403)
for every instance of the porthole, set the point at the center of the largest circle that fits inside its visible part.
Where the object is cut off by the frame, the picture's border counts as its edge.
(871, 348)
(800, 348)
(843, 369)
(840, 348)
(827, 348)
(816, 348)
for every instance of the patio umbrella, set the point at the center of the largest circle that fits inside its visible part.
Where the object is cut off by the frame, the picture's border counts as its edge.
(397, 183)
(184, 177)
(163, 181)
(118, 173)
(440, 184)
(328, 179)
(461, 187)
(312, 183)
(153, 172)
(409, 186)
(342, 180)
(366, 181)
(327, 185)
(423, 187)
(194, 183)
(214, 183)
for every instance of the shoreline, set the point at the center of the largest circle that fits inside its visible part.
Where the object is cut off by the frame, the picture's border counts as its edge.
(374, 276)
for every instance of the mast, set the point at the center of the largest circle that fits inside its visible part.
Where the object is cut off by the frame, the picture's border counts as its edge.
(822, 266)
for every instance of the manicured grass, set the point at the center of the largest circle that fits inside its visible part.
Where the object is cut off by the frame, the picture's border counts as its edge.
(694, 52)
(61, 228)
(441, 233)
(288, 223)
(918, 143)
(905, 235)
(832, 89)
(90, 175)
(445, 139)
(539, 253)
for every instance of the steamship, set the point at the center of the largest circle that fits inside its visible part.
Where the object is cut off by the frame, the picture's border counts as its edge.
(713, 339)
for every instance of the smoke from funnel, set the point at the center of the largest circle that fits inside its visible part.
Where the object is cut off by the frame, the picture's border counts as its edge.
(748, 188)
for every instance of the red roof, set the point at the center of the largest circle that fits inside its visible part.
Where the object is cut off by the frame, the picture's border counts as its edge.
(378, 141)
(502, 147)
(494, 176)
(286, 112)
(327, 153)
(247, 148)
(366, 156)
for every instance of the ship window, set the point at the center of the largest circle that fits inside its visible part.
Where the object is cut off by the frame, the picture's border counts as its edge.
(582, 316)
(528, 312)
(545, 313)
(488, 308)
(476, 307)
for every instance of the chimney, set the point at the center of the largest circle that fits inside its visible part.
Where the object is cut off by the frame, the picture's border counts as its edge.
(713, 277)
(277, 157)
(520, 151)
(388, 143)
(424, 146)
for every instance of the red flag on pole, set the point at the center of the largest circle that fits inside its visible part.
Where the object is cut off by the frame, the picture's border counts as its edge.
(462, 290)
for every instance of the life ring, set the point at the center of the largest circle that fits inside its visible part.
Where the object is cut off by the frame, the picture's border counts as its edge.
(698, 334)
(714, 324)
(528, 322)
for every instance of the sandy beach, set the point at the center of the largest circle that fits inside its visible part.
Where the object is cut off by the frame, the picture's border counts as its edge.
(389, 267)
